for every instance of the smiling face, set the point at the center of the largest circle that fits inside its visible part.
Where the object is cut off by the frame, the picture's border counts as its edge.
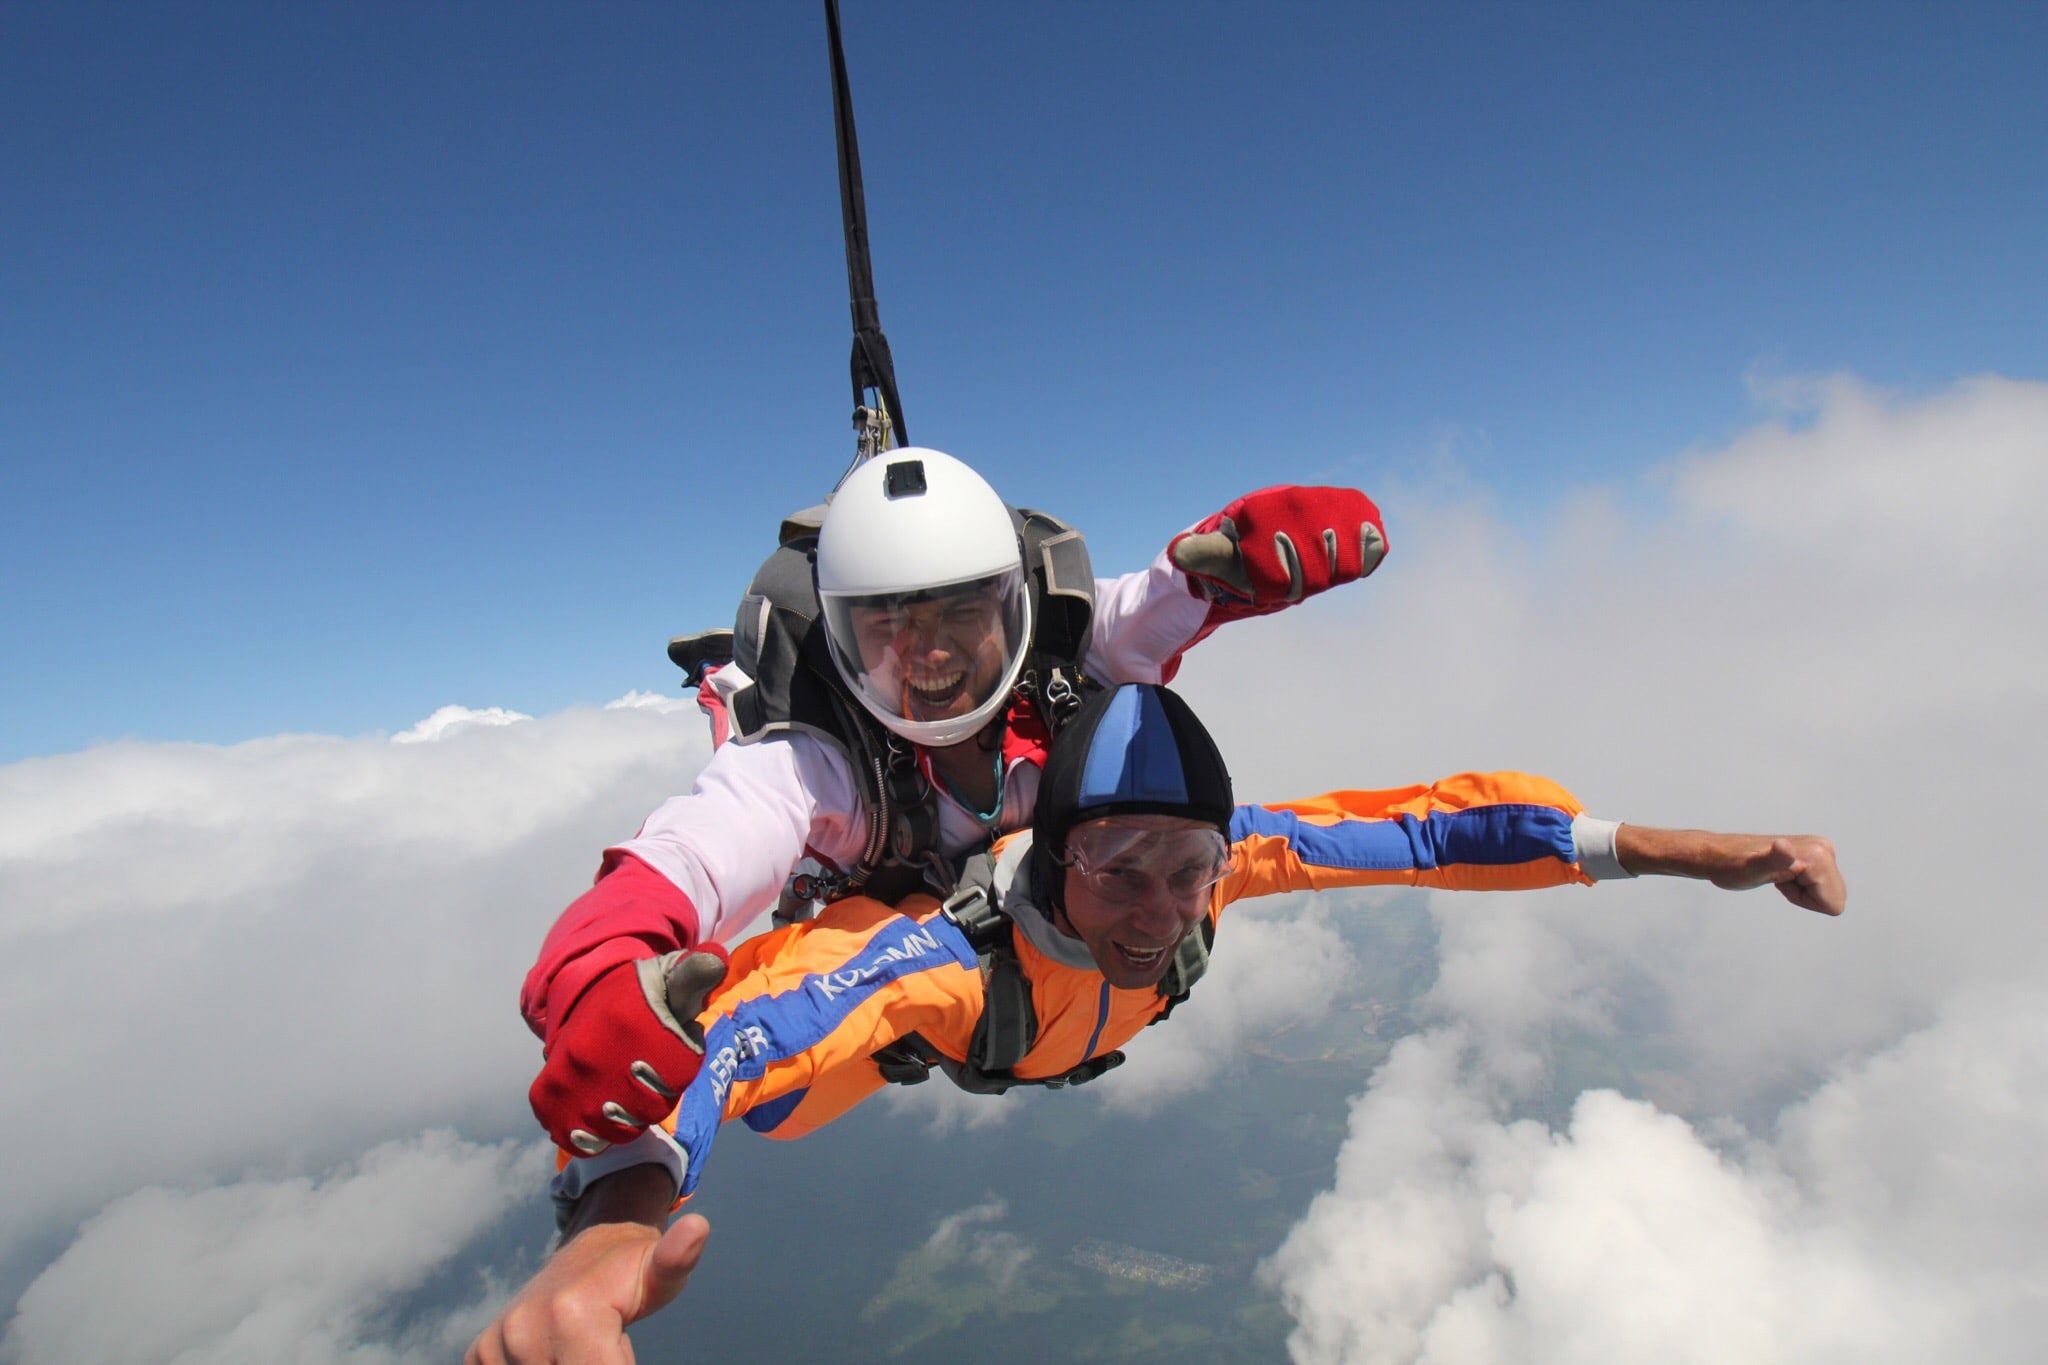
(1134, 886)
(932, 664)
(944, 654)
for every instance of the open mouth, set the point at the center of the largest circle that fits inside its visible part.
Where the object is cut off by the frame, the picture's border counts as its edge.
(938, 691)
(1148, 957)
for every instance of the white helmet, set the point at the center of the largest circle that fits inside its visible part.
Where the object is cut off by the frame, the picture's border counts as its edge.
(927, 605)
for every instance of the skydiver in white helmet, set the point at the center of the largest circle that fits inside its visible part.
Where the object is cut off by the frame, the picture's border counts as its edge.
(934, 606)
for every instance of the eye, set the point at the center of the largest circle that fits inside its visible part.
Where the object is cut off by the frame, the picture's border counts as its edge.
(1124, 881)
(883, 624)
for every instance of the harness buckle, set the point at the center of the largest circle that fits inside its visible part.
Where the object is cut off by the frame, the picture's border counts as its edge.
(974, 910)
(903, 1062)
(815, 886)
(1062, 698)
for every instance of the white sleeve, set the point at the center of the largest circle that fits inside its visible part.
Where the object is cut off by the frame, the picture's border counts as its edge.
(1142, 623)
(756, 809)
(654, 1147)
(1593, 842)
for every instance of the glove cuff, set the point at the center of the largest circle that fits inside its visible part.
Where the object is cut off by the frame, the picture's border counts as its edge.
(632, 912)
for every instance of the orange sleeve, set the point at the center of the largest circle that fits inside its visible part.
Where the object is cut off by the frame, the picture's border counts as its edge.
(1471, 832)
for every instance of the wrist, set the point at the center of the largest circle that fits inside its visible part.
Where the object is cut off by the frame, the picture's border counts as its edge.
(641, 1195)
(1645, 851)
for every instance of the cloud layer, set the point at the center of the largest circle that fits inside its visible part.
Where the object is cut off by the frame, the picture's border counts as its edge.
(259, 978)
(281, 954)
(1836, 628)
(291, 1269)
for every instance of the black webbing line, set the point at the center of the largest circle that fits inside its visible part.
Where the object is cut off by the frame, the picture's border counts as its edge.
(872, 366)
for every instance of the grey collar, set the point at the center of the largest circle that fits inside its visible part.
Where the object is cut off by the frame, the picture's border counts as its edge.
(1023, 900)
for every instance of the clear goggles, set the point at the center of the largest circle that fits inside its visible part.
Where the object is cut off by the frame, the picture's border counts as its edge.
(1124, 864)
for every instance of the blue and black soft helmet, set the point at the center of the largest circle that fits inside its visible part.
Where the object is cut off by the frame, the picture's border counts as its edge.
(1134, 750)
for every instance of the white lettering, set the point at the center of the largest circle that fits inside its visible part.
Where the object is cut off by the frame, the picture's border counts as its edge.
(721, 1068)
(831, 985)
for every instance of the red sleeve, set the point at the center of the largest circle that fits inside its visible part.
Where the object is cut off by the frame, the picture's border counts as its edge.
(632, 912)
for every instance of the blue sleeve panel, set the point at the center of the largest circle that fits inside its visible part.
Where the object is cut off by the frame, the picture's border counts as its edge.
(1489, 836)
(765, 1029)
(766, 1118)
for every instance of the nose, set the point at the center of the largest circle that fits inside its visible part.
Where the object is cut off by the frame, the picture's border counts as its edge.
(1161, 912)
(914, 639)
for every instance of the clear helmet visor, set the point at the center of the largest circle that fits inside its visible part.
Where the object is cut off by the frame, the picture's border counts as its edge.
(933, 664)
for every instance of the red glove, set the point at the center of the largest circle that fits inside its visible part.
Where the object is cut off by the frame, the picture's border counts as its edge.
(632, 912)
(1272, 548)
(621, 1058)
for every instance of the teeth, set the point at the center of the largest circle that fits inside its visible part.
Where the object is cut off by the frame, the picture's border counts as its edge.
(1141, 959)
(934, 686)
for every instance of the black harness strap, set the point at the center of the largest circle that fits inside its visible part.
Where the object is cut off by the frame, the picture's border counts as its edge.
(1008, 1027)
(873, 369)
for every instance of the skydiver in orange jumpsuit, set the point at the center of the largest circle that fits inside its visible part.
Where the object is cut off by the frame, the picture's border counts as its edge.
(1136, 849)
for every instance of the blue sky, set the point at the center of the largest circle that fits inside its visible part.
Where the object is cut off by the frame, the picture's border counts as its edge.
(359, 359)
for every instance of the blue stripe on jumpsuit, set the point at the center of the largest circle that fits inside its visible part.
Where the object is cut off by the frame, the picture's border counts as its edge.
(1485, 836)
(1101, 1018)
(741, 1046)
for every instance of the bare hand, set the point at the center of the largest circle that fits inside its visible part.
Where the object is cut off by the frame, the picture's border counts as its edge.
(578, 1307)
(1801, 866)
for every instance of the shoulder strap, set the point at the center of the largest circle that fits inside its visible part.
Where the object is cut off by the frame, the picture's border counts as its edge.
(1063, 581)
(1063, 605)
(1190, 961)
(1009, 1021)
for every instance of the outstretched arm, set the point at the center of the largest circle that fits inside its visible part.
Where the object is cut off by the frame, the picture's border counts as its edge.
(1801, 866)
(614, 1267)
(1263, 553)
(787, 1042)
(1504, 832)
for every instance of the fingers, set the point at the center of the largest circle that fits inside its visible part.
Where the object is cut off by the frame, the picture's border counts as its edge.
(1801, 866)
(1274, 547)
(672, 1262)
(623, 1057)
(1290, 564)
(1813, 881)
(1372, 548)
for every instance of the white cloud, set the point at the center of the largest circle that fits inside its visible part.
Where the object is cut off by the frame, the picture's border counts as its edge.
(449, 720)
(269, 1270)
(966, 1236)
(637, 700)
(1894, 1216)
(282, 954)
(213, 958)
(1838, 629)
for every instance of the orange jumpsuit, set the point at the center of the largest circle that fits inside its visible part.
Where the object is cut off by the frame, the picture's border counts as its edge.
(789, 1038)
